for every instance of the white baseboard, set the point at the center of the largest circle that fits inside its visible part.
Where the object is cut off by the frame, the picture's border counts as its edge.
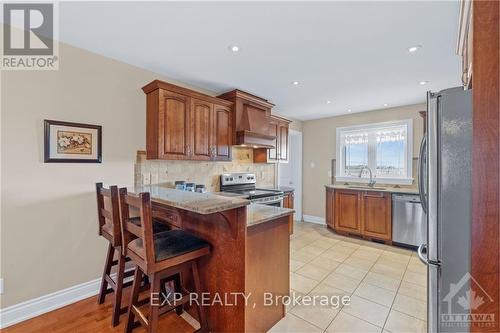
(22, 311)
(314, 219)
(37, 306)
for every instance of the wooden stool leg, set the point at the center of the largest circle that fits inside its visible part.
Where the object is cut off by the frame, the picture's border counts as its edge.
(118, 292)
(136, 286)
(154, 308)
(197, 288)
(178, 289)
(107, 271)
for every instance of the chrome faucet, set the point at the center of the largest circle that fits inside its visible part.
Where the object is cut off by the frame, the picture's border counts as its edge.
(372, 182)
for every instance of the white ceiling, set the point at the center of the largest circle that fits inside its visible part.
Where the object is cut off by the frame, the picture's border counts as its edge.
(352, 53)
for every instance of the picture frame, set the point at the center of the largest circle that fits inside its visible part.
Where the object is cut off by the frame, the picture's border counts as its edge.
(66, 142)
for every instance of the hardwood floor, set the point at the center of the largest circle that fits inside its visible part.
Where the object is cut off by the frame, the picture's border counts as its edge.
(88, 316)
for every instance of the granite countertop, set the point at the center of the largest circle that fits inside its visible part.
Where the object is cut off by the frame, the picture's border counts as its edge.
(402, 190)
(259, 213)
(201, 203)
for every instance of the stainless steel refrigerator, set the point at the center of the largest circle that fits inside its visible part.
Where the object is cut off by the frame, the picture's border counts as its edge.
(445, 190)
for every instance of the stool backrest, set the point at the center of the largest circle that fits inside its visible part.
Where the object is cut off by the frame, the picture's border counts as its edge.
(108, 209)
(132, 231)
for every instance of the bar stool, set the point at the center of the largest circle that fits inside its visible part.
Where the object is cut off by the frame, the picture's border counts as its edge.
(110, 228)
(160, 256)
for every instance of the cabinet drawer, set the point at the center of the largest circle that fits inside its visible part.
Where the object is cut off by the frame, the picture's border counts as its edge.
(170, 215)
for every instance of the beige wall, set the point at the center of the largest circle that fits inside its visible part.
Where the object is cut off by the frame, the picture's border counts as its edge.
(319, 148)
(48, 211)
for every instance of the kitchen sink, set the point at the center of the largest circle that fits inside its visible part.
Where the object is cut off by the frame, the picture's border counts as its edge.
(367, 187)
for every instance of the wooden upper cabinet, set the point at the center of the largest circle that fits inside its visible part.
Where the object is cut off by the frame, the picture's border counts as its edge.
(376, 215)
(348, 211)
(278, 128)
(202, 127)
(222, 133)
(283, 142)
(185, 124)
(272, 153)
(173, 126)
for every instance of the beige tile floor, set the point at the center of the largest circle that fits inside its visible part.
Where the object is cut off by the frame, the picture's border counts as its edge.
(387, 285)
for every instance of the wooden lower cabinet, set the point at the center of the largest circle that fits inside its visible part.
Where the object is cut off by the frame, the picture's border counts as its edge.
(288, 203)
(376, 215)
(330, 203)
(347, 211)
(362, 213)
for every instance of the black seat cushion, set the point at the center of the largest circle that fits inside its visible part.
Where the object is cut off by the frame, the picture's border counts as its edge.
(157, 226)
(173, 243)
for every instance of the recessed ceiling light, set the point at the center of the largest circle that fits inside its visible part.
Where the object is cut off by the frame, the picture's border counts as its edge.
(415, 48)
(423, 82)
(234, 48)
(328, 102)
(295, 83)
(385, 104)
(349, 110)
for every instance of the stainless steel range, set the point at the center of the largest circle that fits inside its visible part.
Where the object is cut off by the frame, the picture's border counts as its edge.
(244, 183)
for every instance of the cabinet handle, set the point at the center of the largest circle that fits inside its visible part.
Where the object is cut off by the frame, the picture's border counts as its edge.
(188, 150)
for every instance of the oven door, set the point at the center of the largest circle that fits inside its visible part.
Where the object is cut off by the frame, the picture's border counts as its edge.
(274, 201)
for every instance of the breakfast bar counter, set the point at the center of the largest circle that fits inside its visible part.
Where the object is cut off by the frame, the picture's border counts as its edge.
(248, 241)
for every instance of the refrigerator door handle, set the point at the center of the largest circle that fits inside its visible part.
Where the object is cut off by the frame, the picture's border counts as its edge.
(420, 171)
(422, 252)
(421, 249)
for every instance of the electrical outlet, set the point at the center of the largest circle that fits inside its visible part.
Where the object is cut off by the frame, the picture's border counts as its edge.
(329, 173)
(154, 178)
(146, 178)
(1, 286)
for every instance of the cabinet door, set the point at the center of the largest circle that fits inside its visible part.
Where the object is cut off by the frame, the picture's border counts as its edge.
(376, 215)
(291, 198)
(283, 143)
(222, 133)
(201, 126)
(330, 202)
(348, 211)
(173, 126)
(273, 131)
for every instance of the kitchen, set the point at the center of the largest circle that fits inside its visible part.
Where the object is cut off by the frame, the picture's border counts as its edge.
(279, 174)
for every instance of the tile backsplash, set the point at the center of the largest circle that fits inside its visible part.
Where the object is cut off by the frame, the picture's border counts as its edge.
(200, 172)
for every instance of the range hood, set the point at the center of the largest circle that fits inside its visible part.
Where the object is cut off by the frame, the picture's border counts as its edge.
(251, 120)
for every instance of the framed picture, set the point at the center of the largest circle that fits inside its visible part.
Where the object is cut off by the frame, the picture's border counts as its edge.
(72, 142)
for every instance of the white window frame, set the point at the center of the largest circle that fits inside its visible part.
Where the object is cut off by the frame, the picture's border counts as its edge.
(386, 180)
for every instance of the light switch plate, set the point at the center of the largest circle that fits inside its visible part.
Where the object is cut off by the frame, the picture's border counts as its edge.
(146, 178)
(1, 286)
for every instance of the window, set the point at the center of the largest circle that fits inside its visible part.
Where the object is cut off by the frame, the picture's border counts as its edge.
(386, 148)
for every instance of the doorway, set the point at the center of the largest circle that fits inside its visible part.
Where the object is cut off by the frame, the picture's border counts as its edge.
(290, 174)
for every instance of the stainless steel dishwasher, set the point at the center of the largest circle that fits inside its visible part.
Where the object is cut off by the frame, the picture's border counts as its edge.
(409, 222)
